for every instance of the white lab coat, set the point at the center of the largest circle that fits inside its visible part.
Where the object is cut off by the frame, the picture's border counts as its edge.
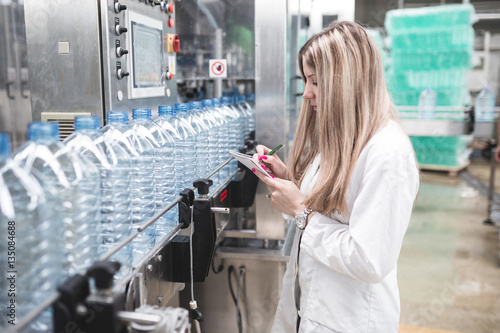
(347, 265)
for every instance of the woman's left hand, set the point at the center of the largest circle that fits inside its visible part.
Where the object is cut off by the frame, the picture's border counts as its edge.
(285, 195)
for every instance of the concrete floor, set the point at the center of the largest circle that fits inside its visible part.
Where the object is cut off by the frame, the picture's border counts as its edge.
(449, 273)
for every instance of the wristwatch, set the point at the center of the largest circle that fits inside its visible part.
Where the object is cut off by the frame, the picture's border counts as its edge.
(301, 218)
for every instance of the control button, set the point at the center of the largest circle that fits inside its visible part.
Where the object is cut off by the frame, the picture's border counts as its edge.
(171, 8)
(120, 51)
(120, 73)
(170, 76)
(174, 44)
(171, 22)
(119, 7)
(119, 29)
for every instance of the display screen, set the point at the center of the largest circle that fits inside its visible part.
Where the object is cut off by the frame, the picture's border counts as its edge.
(147, 55)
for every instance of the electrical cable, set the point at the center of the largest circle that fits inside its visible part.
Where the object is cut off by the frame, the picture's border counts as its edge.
(221, 266)
(236, 298)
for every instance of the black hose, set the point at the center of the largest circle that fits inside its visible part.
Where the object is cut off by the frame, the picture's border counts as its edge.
(236, 298)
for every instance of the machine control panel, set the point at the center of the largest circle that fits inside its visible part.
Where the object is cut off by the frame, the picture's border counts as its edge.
(144, 45)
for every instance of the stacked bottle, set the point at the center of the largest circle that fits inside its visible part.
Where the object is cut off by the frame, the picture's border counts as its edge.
(430, 47)
(115, 167)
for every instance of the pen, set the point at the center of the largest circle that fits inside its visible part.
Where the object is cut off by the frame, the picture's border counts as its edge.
(275, 149)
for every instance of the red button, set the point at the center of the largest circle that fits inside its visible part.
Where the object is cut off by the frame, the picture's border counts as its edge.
(171, 8)
(170, 76)
(176, 43)
(171, 23)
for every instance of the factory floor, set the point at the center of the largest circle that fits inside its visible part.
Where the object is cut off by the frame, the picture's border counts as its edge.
(449, 272)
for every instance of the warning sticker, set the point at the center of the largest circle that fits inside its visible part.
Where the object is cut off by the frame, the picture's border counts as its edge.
(218, 68)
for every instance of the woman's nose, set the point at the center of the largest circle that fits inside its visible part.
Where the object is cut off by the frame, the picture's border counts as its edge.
(308, 93)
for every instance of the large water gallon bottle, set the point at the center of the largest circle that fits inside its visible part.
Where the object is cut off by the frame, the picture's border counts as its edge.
(163, 144)
(115, 167)
(251, 103)
(141, 152)
(427, 104)
(195, 118)
(224, 139)
(485, 105)
(31, 259)
(213, 137)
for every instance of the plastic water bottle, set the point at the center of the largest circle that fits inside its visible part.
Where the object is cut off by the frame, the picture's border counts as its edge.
(184, 143)
(164, 166)
(115, 167)
(78, 183)
(233, 118)
(202, 129)
(427, 104)
(224, 139)
(485, 105)
(213, 137)
(29, 247)
(141, 152)
(247, 114)
(251, 103)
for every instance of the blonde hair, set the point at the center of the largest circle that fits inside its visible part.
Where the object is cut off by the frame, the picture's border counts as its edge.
(352, 105)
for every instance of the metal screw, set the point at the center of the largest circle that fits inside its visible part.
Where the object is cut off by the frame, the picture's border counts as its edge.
(159, 258)
(160, 299)
(149, 268)
(82, 310)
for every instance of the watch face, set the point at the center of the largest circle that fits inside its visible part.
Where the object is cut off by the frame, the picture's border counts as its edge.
(301, 221)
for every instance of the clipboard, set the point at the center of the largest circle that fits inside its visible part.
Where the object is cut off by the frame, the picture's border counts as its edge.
(248, 161)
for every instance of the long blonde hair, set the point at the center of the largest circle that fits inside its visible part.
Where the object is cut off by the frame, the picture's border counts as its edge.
(352, 105)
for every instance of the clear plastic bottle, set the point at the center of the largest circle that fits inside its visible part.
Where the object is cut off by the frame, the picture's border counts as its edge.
(78, 183)
(427, 104)
(224, 139)
(246, 113)
(184, 143)
(233, 118)
(195, 118)
(213, 137)
(485, 105)
(115, 167)
(164, 166)
(141, 152)
(251, 103)
(30, 248)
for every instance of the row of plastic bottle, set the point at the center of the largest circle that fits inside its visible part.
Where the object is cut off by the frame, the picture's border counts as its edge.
(68, 203)
(484, 105)
(433, 16)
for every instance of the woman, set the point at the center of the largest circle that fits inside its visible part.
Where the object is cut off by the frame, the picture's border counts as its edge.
(350, 183)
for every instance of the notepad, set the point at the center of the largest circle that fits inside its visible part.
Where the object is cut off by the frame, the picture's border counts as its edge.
(248, 161)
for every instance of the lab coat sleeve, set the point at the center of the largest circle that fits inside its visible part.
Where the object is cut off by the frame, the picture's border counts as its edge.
(367, 249)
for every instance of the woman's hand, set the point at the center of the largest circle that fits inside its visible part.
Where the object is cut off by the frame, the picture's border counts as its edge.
(285, 195)
(271, 163)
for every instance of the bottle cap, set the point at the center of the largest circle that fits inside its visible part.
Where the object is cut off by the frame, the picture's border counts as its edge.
(43, 132)
(141, 113)
(165, 110)
(86, 123)
(4, 145)
(117, 117)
